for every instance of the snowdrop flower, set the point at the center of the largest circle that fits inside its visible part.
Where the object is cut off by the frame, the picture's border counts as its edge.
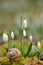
(39, 44)
(12, 35)
(5, 37)
(24, 23)
(24, 32)
(30, 38)
(34, 48)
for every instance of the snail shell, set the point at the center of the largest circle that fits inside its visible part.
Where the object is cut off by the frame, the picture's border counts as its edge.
(14, 53)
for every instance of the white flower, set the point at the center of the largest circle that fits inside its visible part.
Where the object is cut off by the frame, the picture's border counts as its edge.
(5, 37)
(34, 48)
(24, 32)
(39, 44)
(24, 23)
(30, 38)
(12, 35)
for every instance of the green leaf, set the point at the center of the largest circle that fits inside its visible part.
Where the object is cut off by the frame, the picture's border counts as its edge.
(28, 50)
(7, 49)
(11, 45)
(21, 48)
(37, 54)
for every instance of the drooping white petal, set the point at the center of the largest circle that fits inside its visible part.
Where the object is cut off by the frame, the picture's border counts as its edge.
(5, 37)
(34, 48)
(12, 35)
(24, 23)
(39, 44)
(24, 32)
(30, 38)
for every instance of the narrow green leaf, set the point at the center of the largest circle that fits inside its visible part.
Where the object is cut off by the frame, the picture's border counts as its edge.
(28, 50)
(20, 46)
(22, 49)
(37, 54)
(13, 46)
(6, 49)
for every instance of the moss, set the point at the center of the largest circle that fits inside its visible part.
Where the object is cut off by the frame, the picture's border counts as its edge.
(19, 61)
(4, 61)
(7, 61)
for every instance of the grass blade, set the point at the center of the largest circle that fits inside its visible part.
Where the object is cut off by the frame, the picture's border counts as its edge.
(28, 50)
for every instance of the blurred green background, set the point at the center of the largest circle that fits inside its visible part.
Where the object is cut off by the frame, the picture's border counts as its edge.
(12, 10)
